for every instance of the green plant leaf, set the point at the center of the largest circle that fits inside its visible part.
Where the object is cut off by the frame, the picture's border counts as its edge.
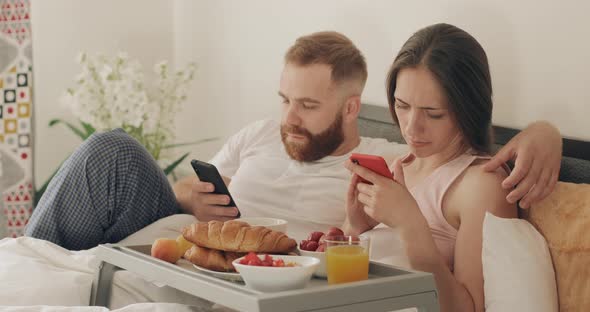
(74, 129)
(88, 127)
(175, 164)
(189, 143)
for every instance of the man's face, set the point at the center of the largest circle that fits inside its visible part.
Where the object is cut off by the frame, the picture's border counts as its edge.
(311, 125)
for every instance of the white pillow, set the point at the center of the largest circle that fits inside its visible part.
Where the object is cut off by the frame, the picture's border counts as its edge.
(517, 268)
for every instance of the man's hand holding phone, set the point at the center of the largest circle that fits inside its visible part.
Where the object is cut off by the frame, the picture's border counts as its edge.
(210, 198)
(208, 206)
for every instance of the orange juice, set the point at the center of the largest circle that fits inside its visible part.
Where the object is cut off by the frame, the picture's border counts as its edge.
(347, 263)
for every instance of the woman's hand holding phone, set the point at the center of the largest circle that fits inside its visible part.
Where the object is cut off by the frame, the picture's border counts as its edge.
(357, 220)
(372, 162)
(383, 199)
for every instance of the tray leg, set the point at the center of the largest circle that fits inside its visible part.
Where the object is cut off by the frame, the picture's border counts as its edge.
(101, 286)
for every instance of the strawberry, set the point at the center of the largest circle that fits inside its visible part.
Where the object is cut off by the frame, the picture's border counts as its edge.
(334, 231)
(312, 246)
(315, 236)
(303, 244)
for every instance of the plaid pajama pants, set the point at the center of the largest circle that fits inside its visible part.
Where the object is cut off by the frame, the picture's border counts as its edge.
(109, 188)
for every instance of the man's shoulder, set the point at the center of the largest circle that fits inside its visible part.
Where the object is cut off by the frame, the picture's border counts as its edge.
(256, 129)
(262, 125)
(255, 134)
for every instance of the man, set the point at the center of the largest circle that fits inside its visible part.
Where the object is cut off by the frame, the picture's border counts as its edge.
(110, 187)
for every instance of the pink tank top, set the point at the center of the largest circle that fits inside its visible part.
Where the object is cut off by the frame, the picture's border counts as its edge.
(429, 195)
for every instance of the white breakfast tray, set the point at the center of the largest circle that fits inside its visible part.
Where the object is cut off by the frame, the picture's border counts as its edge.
(388, 288)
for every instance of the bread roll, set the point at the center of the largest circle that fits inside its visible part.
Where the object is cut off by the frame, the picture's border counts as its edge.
(238, 236)
(212, 259)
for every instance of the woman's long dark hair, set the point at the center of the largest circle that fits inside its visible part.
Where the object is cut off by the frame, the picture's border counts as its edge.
(460, 65)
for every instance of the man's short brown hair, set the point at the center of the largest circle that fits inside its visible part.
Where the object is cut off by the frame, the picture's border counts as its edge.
(333, 49)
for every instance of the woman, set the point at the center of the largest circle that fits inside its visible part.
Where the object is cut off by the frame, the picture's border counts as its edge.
(440, 95)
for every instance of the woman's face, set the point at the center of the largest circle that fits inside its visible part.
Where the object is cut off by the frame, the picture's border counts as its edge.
(421, 107)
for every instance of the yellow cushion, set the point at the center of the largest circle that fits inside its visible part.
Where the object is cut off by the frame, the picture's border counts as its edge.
(563, 218)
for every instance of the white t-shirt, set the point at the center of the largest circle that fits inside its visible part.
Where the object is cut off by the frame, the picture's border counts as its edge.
(266, 182)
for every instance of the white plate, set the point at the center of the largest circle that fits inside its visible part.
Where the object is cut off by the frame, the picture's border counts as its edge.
(229, 276)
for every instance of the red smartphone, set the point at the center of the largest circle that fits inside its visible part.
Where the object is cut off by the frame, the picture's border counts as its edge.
(372, 162)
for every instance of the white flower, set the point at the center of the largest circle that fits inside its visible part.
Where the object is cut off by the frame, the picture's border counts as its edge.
(111, 92)
(123, 56)
(105, 72)
(161, 67)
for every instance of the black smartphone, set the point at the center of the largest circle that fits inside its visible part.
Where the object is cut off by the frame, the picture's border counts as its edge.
(208, 173)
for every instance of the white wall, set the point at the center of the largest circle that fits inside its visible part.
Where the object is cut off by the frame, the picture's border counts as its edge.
(539, 53)
(63, 28)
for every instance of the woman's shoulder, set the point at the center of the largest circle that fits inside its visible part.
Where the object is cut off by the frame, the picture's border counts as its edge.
(482, 190)
(476, 171)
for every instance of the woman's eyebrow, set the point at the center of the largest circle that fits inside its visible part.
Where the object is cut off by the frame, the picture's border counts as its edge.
(422, 107)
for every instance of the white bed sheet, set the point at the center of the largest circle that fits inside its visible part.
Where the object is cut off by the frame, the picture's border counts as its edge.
(37, 275)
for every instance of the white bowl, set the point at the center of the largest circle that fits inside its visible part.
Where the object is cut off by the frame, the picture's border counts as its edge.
(321, 270)
(272, 279)
(271, 223)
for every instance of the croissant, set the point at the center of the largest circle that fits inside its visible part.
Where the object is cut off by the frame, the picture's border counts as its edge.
(212, 259)
(238, 236)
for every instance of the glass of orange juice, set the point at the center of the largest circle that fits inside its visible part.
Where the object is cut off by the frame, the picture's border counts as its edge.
(347, 259)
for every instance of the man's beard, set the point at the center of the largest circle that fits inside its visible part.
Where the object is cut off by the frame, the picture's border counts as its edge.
(317, 146)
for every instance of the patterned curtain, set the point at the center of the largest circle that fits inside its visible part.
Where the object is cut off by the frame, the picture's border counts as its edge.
(16, 163)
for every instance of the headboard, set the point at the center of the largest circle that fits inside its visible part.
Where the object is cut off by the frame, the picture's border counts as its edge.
(376, 121)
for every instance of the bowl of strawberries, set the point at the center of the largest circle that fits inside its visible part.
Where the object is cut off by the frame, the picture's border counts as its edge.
(314, 246)
(271, 273)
